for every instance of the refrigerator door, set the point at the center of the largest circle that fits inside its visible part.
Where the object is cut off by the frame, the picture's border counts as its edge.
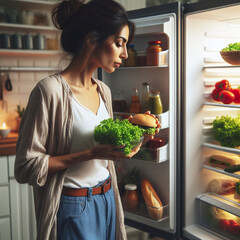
(208, 27)
(160, 166)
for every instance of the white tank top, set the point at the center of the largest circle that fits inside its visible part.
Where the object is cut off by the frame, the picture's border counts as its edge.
(86, 173)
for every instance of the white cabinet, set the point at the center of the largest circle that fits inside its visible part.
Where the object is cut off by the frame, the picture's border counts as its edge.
(17, 215)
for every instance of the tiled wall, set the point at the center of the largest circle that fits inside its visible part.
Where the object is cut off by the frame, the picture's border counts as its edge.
(23, 82)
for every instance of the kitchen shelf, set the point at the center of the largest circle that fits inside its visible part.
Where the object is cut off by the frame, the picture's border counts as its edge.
(221, 171)
(21, 27)
(215, 104)
(163, 118)
(28, 53)
(28, 69)
(40, 5)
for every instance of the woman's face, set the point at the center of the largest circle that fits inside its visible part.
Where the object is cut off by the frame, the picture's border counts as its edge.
(110, 55)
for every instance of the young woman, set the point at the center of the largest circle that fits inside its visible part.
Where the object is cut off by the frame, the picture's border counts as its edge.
(74, 180)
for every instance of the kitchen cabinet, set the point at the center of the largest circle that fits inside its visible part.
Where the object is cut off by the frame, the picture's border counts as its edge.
(17, 219)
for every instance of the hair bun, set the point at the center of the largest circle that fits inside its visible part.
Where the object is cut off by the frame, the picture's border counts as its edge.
(65, 11)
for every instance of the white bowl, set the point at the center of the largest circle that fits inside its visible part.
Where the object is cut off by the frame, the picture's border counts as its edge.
(4, 132)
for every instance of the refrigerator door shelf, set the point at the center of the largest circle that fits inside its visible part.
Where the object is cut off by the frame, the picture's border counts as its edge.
(157, 155)
(216, 104)
(219, 215)
(142, 213)
(163, 118)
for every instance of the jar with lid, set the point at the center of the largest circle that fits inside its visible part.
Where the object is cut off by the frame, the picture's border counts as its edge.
(145, 97)
(153, 53)
(135, 106)
(130, 197)
(155, 102)
(131, 61)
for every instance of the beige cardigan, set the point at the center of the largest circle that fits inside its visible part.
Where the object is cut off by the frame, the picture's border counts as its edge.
(46, 130)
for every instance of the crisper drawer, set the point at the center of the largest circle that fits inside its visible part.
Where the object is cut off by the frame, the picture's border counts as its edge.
(219, 215)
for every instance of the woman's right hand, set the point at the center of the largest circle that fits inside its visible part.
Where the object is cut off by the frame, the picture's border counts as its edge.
(105, 151)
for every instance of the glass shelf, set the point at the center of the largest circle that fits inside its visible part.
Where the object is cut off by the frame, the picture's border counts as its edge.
(215, 104)
(26, 52)
(35, 28)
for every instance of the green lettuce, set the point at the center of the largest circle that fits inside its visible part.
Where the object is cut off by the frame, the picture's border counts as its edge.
(232, 47)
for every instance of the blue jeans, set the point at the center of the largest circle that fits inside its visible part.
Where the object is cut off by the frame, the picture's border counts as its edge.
(87, 218)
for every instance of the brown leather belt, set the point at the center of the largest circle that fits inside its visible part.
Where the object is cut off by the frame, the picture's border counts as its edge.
(83, 192)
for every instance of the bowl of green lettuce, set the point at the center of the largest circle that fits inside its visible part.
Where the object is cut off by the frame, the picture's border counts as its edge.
(120, 133)
(231, 53)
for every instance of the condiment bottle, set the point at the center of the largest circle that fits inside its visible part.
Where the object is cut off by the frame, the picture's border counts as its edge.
(153, 53)
(141, 58)
(145, 97)
(131, 61)
(130, 197)
(155, 102)
(135, 106)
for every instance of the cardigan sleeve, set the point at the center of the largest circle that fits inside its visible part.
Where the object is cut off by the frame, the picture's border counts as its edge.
(31, 163)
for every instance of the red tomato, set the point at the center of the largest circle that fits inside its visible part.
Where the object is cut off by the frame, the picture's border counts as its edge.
(223, 85)
(215, 94)
(236, 93)
(156, 142)
(224, 224)
(234, 227)
(226, 97)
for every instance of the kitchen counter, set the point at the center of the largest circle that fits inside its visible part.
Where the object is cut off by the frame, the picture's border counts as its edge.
(8, 144)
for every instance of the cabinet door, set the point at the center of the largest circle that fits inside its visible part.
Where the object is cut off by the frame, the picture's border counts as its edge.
(22, 208)
(5, 233)
(4, 170)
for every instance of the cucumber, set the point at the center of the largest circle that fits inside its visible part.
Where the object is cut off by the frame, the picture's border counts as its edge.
(232, 169)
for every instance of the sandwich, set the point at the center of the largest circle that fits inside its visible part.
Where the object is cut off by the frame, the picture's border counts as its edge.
(145, 121)
(222, 186)
(224, 161)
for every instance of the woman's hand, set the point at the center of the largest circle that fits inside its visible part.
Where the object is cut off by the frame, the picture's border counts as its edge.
(109, 152)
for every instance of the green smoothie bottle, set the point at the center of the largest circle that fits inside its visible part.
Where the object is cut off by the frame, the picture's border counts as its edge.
(155, 102)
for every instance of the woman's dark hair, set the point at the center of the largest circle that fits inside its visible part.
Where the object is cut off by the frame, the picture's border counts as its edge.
(98, 18)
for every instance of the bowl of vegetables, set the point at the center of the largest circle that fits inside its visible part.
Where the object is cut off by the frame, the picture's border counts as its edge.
(231, 53)
(121, 133)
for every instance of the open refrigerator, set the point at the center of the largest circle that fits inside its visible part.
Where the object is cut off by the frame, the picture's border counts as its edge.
(192, 36)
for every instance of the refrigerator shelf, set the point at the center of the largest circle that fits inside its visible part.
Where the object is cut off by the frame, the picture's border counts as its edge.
(142, 67)
(226, 198)
(163, 118)
(222, 148)
(157, 155)
(215, 104)
(221, 171)
(221, 203)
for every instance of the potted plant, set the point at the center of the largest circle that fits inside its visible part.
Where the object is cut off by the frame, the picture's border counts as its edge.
(20, 110)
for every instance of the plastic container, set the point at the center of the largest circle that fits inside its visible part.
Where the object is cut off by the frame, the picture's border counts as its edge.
(131, 61)
(153, 53)
(155, 102)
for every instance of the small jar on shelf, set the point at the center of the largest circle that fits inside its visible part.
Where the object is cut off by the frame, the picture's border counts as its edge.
(135, 106)
(130, 197)
(131, 61)
(153, 53)
(155, 102)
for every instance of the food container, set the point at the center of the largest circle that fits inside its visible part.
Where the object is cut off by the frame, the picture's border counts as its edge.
(141, 58)
(219, 215)
(131, 61)
(130, 197)
(231, 57)
(155, 102)
(153, 53)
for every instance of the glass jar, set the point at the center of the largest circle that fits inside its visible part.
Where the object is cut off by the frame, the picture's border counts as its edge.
(130, 197)
(155, 102)
(145, 97)
(135, 106)
(141, 58)
(153, 53)
(131, 61)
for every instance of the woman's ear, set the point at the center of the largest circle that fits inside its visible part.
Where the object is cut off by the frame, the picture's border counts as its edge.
(91, 41)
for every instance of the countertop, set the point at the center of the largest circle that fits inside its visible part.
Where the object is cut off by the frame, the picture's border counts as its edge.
(8, 144)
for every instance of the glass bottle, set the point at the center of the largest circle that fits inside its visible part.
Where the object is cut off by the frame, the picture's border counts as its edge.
(131, 61)
(155, 102)
(145, 97)
(153, 53)
(135, 106)
(130, 197)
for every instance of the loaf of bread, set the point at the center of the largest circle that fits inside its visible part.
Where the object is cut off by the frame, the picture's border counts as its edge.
(153, 203)
(222, 186)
